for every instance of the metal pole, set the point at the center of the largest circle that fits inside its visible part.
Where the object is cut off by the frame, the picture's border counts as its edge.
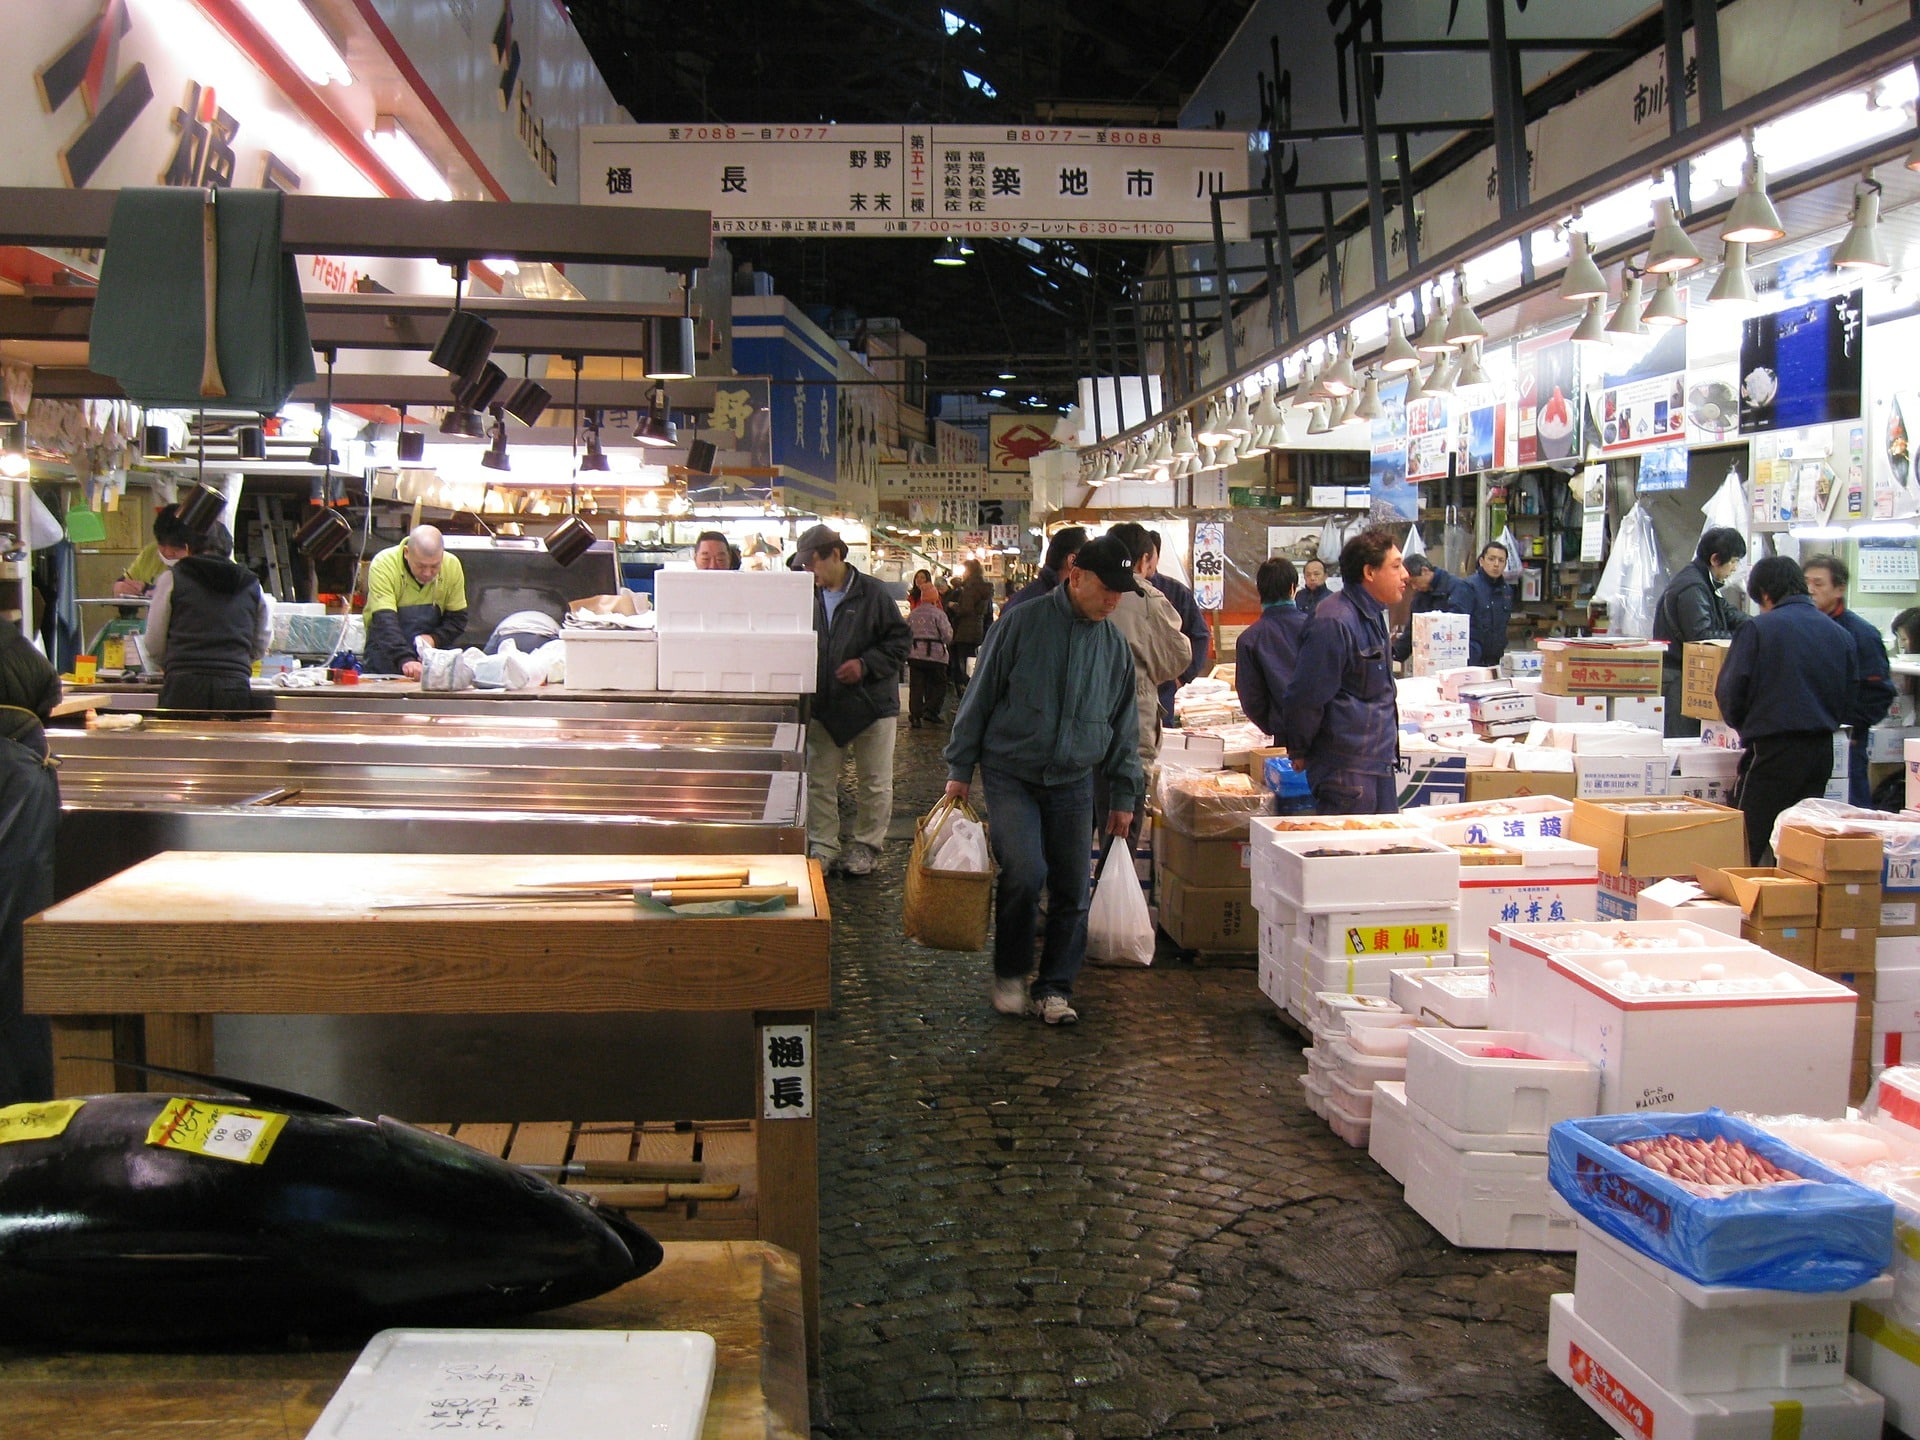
(1370, 138)
(1509, 136)
(1673, 21)
(1333, 255)
(1706, 55)
(1409, 220)
(1220, 278)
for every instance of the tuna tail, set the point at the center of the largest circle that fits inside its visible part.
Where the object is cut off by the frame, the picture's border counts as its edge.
(247, 1090)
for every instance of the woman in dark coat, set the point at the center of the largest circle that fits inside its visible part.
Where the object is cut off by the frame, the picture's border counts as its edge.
(29, 815)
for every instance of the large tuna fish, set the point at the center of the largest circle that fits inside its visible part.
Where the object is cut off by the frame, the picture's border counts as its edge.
(135, 1225)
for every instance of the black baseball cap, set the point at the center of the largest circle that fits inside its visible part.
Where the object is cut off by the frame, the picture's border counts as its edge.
(818, 537)
(1111, 561)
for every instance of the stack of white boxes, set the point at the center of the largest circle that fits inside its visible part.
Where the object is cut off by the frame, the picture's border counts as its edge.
(736, 632)
(1439, 642)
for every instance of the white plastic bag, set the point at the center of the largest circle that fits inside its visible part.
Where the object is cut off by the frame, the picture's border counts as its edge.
(1631, 584)
(1118, 925)
(1730, 509)
(1415, 545)
(961, 845)
(1511, 545)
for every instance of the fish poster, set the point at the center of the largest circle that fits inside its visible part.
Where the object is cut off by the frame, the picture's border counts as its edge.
(1800, 364)
(1893, 411)
(1639, 398)
(1429, 438)
(1547, 407)
(1389, 496)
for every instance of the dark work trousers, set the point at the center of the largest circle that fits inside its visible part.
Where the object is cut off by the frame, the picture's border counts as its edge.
(1777, 771)
(212, 691)
(957, 657)
(1353, 792)
(926, 689)
(1039, 838)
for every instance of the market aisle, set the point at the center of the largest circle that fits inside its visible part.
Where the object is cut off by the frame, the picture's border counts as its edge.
(1131, 1227)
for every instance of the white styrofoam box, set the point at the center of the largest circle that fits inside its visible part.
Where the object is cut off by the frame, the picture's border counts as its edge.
(1555, 880)
(1506, 708)
(1440, 712)
(1362, 1069)
(1356, 1130)
(1895, 1047)
(1520, 663)
(1895, 1016)
(1451, 1075)
(1884, 1355)
(1483, 822)
(1836, 790)
(1356, 1098)
(1674, 899)
(1483, 1199)
(1379, 1032)
(1887, 744)
(1377, 930)
(739, 664)
(1452, 680)
(1355, 872)
(1185, 750)
(1629, 1400)
(733, 602)
(1842, 753)
(1317, 1092)
(1781, 1050)
(1513, 1143)
(1709, 1339)
(1273, 981)
(611, 660)
(1899, 914)
(1605, 739)
(1403, 987)
(1619, 777)
(1647, 711)
(1718, 732)
(1440, 626)
(1571, 709)
(1458, 999)
(1391, 1142)
(1370, 975)
(1692, 758)
(1896, 968)
(1331, 1007)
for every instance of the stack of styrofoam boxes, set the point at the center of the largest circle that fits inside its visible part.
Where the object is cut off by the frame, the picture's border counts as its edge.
(736, 632)
(1702, 771)
(1848, 869)
(1498, 710)
(1326, 888)
(1479, 1104)
(1438, 719)
(1440, 642)
(1842, 767)
(1656, 1353)
(1520, 665)
(1456, 999)
(1329, 1016)
(1885, 1353)
(1518, 867)
(1677, 1017)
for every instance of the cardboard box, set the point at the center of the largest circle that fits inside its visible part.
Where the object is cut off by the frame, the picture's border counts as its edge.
(1203, 918)
(1571, 709)
(1256, 766)
(1850, 858)
(1700, 666)
(1765, 896)
(1656, 838)
(1208, 864)
(1899, 916)
(1684, 900)
(1593, 667)
(1505, 784)
(1887, 743)
(1608, 777)
(1843, 952)
(1792, 943)
(1855, 905)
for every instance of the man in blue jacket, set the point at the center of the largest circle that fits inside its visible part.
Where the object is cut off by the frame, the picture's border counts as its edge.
(1873, 693)
(1193, 624)
(1051, 700)
(1060, 549)
(1264, 655)
(1340, 717)
(1488, 601)
(1433, 590)
(1785, 686)
(1690, 610)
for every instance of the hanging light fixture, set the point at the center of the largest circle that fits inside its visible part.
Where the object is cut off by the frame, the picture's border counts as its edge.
(1734, 288)
(1340, 379)
(949, 253)
(1671, 251)
(659, 431)
(1267, 416)
(496, 456)
(1470, 371)
(1369, 407)
(154, 444)
(408, 445)
(595, 459)
(1666, 308)
(569, 540)
(1592, 329)
(1753, 218)
(1440, 378)
(1416, 387)
(1463, 325)
(1314, 384)
(1228, 455)
(467, 341)
(527, 401)
(1399, 356)
(323, 454)
(670, 341)
(1582, 280)
(1433, 339)
(322, 533)
(1186, 451)
(1861, 253)
(1319, 423)
(1626, 316)
(251, 441)
(1240, 422)
(1213, 428)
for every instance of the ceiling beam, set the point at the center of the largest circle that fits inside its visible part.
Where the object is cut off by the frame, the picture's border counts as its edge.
(423, 392)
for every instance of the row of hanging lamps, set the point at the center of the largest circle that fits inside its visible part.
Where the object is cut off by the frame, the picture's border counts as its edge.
(1463, 325)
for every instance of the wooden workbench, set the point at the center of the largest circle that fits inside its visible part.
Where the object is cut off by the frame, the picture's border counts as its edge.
(746, 1294)
(136, 967)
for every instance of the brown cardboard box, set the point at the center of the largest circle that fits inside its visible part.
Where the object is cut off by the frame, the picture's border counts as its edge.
(1899, 915)
(1505, 784)
(1861, 982)
(1848, 858)
(1699, 672)
(1653, 838)
(1792, 943)
(1210, 864)
(1765, 896)
(1850, 906)
(1573, 667)
(1201, 918)
(1843, 952)
(1256, 765)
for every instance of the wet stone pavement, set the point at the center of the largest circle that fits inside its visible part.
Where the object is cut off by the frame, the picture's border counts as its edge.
(1129, 1227)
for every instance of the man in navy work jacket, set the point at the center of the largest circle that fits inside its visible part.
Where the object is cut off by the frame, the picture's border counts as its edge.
(1873, 693)
(1051, 701)
(1433, 590)
(1785, 686)
(1340, 717)
(1060, 549)
(1264, 655)
(1193, 624)
(1692, 609)
(1487, 601)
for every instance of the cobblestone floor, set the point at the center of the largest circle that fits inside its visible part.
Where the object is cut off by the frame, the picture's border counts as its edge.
(1130, 1227)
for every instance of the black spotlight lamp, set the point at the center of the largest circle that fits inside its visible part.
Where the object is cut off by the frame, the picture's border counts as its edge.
(569, 540)
(323, 454)
(950, 253)
(596, 457)
(408, 445)
(199, 506)
(700, 457)
(322, 533)
(154, 444)
(496, 456)
(527, 401)
(481, 391)
(252, 441)
(658, 431)
(458, 421)
(670, 340)
(8, 415)
(467, 341)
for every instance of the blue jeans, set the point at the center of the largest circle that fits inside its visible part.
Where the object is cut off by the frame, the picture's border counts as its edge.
(1353, 792)
(1859, 787)
(1039, 835)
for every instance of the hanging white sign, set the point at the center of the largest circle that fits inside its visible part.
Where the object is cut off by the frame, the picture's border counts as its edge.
(1210, 564)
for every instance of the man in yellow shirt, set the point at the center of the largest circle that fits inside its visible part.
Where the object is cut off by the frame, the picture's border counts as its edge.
(169, 544)
(415, 590)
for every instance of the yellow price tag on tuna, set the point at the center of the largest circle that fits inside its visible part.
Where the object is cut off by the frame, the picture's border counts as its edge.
(223, 1131)
(36, 1121)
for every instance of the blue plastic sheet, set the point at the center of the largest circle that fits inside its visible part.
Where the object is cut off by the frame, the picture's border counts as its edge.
(1813, 1239)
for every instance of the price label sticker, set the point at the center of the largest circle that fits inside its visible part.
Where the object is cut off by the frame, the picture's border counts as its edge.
(225, 1132)
(40, 1121)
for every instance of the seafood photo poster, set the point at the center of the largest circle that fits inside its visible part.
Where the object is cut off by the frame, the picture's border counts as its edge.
(1547, 408)
(1640, 400)
(1389, 495)
(1893, 413)
(1800, 364)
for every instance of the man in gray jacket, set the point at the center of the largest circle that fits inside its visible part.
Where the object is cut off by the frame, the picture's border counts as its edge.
(1052, 700)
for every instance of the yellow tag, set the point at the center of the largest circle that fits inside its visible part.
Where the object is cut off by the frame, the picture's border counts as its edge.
(1399, 939)
(222, 1131)
(1787, 1418)
(36, 1121)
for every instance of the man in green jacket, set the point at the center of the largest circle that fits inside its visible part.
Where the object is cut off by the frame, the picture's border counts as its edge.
(1051, 701)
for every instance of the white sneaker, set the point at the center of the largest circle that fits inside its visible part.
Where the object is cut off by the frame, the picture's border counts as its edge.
(1056, 1010)
(1010, 995)
(859, 860)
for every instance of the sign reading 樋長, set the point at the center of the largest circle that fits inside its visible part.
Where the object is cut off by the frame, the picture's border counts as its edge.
(867, 180)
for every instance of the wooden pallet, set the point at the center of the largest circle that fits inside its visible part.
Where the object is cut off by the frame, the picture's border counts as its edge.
(727, 1151)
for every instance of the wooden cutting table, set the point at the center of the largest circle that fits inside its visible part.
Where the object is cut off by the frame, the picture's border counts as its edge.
(743, 1293)
(136, 967)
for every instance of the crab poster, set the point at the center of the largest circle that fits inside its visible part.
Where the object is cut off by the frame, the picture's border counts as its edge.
(1013, 441)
